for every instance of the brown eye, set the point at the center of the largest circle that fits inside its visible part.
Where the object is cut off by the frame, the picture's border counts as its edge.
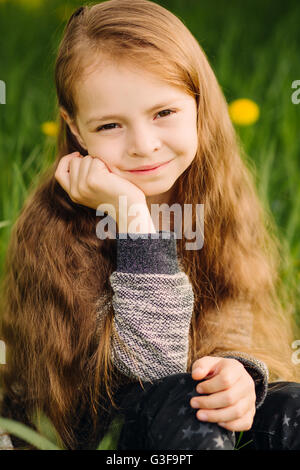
(168, 111)
(106, 127)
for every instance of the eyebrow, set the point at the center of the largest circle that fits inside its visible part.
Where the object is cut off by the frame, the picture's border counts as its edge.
(114, 116)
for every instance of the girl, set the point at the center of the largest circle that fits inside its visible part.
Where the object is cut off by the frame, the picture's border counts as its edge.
(191, 346)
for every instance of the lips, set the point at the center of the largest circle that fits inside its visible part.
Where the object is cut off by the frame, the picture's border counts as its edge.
(149, 167)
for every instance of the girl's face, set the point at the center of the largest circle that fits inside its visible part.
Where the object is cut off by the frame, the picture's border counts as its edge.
(129, 118)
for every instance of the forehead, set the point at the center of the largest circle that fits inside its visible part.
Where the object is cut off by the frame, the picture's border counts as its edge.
(108, 83)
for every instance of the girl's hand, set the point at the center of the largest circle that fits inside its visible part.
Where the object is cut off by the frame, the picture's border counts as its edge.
(231, 393)
(89, 182)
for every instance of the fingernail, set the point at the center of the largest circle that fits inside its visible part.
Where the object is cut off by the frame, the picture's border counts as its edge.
(199, 389)
(202, 416)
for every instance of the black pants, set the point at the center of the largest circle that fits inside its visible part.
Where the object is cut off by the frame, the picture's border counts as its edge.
(161, 418)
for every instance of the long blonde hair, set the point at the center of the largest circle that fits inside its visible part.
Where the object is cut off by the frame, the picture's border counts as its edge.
(55, 284)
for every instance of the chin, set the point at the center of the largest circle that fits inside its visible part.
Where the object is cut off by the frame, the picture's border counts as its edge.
(155, 193)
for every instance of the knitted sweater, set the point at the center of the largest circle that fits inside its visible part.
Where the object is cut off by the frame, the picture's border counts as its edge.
(153, 304)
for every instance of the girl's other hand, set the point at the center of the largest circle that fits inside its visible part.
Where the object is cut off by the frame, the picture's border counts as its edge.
(231, 393)
(89, 182)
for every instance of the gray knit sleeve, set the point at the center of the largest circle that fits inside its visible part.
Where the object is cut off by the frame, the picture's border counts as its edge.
(153, 304)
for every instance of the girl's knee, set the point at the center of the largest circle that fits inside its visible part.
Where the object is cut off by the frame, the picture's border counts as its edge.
(284, 393)
(162, 418)
(181, 384)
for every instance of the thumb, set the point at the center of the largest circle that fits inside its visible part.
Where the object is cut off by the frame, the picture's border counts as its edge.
(204, 367)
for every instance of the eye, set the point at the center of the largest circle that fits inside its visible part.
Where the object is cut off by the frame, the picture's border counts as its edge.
(105, 126)
(168, 111)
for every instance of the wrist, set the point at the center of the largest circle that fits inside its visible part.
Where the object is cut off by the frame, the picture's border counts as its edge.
(135, 220)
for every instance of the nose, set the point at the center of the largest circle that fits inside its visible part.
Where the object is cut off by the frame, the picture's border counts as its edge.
(143, 141)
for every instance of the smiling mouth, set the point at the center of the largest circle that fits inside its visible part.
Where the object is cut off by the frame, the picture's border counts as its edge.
(151, 170)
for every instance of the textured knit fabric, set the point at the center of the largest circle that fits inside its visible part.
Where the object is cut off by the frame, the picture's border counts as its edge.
(153, 304)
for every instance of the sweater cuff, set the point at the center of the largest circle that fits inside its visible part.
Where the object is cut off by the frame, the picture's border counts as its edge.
(258, 371)
(147, 253)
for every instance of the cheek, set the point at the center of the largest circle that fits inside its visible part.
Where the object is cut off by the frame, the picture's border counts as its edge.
(104, 152)
(192, 140)
(186, 146)
(184, 136)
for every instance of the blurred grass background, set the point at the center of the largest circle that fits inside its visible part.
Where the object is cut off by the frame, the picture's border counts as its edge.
(253, 47)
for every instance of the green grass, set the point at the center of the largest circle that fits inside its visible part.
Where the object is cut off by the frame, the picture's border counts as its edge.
(47, 438)
(253, 47)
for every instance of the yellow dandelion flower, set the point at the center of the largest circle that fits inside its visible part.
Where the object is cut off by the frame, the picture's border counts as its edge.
(243, 112)
(50, 128)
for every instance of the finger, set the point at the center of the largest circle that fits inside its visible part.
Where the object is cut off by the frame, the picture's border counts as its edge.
(97, 171)
(62, 170)
(223, 379)
(204, 366)
(83, 172)
(74, 166)
(242, 424)
(221, 415)
(99, 164)
(220, 399)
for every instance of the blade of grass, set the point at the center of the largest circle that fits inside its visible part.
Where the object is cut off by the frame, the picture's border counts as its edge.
(27, 434)
(110, 440)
